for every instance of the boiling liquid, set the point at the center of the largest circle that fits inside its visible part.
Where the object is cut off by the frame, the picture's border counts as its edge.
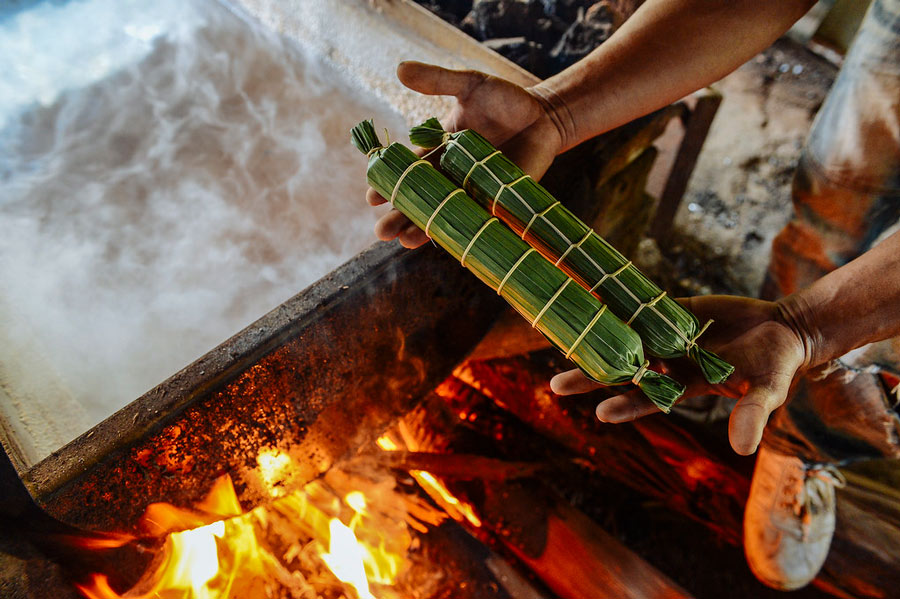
(169, 172)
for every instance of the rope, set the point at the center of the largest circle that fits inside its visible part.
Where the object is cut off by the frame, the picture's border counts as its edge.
(476, 165)
(474, 238)
(549, 302)
(514, 267)
(693, 340)
(403, 176)
(610, 275)
(438, 209)
(572, 247)
(502, 187)
(537, 216)
(636, 379)
(585, 331)
(643, 305)
(433, 150)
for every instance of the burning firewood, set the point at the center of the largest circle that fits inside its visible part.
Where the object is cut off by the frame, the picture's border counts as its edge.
(562, 547)
(458, 466)
(657, 458)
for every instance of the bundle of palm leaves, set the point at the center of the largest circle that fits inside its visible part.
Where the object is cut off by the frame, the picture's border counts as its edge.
(667, 329)
(573, 320)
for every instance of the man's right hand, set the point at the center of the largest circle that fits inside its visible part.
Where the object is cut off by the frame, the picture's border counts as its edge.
(518, 120)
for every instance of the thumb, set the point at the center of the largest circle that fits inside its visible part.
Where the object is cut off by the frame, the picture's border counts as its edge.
(750, 414)
(433, 80)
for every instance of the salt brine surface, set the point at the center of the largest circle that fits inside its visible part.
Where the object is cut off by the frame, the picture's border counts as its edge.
(168, 174)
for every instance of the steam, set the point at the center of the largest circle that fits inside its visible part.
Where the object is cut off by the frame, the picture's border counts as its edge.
(168, 174)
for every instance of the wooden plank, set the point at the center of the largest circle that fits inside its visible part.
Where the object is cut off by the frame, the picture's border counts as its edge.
(696, 124)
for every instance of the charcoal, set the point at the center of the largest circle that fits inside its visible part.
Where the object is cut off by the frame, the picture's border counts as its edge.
(451, 11)
(566, 10)
(490, 19)
(592, 28)
(527, 54)
(549, 35)
(548, 31)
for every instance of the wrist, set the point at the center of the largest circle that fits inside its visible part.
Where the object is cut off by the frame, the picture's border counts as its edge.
(556, 117)
(796, 314)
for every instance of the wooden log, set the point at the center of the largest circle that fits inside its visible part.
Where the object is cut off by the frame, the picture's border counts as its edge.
(660, 457)
(580, 559)
(627, 208)
(458, 466)
(865, 551)
(697, 120)
(566, 550)
(654, 456)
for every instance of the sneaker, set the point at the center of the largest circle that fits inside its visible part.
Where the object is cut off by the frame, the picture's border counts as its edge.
(789, 519)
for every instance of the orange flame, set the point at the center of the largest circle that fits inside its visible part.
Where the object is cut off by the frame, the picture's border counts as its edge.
(110, 541)
(215, 558)
(456, 509)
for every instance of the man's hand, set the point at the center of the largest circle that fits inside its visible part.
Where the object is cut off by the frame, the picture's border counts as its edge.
(766, 349)
(514, 118)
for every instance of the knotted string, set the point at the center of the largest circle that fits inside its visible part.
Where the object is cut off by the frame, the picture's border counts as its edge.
(636, 379)
(693, 341)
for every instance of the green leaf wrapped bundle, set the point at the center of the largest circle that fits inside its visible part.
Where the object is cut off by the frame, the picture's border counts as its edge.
(666, 328)
(577, 324)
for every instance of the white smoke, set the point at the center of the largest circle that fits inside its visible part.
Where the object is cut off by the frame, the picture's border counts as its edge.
(167, 175)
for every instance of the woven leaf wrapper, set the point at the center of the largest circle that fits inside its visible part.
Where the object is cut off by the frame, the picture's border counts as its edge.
(573, 320)
(667, 329)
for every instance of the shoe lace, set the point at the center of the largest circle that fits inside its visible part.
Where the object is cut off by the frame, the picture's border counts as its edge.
(805, 493)
(818, 479)
(827, 473)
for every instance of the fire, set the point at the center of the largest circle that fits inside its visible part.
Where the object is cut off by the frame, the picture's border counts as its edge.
(193, 560)
(274, 468)
(234, 557)
(196, 560)
(439, 492)
(345, 559)
(212, 551)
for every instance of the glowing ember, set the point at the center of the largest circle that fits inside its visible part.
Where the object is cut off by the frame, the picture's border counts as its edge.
(274, 467)
(437, 491)
(457, 509)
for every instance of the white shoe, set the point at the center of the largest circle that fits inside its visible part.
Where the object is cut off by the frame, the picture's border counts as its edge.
(789, 519)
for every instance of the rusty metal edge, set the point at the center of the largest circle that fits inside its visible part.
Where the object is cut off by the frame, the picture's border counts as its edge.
(213, 370)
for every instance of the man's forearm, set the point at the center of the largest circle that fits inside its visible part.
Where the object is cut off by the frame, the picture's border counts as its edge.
(852, 306)
(666, 50)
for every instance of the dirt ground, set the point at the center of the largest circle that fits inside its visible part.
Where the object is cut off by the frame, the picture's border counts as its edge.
(739, 194)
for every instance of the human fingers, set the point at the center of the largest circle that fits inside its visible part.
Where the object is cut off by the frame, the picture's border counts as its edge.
(412, 237)
(395, 225)
(433, 80)
(373, 198)
(625, 407)
(750, 414)
(572, 382)
(390, 225)
(575, 381)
